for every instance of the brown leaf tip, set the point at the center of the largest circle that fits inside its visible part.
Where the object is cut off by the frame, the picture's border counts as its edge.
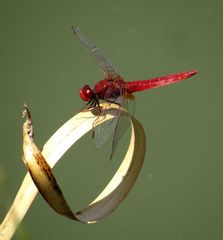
(26, 114)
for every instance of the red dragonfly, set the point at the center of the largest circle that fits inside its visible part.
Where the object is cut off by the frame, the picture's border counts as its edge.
(114, 89)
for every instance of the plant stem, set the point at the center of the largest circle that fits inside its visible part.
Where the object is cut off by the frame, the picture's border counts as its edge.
(21, 204)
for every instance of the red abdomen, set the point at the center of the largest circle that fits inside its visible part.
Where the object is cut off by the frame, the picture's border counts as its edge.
(141, 85)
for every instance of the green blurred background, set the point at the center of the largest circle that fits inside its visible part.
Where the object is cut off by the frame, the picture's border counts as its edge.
(178, 194)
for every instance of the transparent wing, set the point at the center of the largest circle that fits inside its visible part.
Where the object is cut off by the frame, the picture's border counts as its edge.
(97, 54)
(103, 132)
(116, 127)
(123, 121)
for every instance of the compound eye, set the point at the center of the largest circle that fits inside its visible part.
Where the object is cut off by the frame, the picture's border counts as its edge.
(86, 93)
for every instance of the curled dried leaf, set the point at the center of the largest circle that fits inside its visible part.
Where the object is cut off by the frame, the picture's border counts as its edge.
(112, 195)
(53, 150)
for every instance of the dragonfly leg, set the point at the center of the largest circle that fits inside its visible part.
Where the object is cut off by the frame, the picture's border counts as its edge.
(91, 104)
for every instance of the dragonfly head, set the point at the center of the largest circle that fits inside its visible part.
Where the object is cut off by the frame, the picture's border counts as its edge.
(86, 93)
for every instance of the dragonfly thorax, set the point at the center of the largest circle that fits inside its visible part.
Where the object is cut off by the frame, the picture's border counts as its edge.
(86, 93)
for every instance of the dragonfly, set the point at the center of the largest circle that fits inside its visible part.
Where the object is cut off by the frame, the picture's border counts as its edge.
(113, 89)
